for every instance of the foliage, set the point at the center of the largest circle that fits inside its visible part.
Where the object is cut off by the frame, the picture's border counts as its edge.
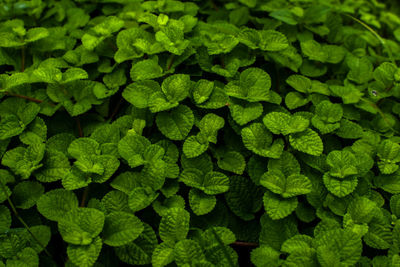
(169, 133)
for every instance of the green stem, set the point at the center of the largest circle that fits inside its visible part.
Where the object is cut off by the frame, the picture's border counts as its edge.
(381, 40)
(380, 113)
(14, 210)
(22, 58)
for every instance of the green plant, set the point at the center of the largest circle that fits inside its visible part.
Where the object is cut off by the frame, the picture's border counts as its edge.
(178, 132)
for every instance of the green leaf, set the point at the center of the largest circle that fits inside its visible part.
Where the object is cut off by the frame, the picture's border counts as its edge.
(253, 86)
(339, 246)
(231, 161)
(360, 69)
(120, 228)
(285, 15)
(290, 186)
(163, 255)
(328, 112)
(175, 201)
(200, 202)
(271, 40)
(139, 251)
(82, 147)
(362, 210)
(5, 216)
(140, 93)
(395, 205)
(297, 243)
(36, 132)
(212, 234)
(145, 70)
(389, 155)
(339, 187)
(115, 201)
(87, 255)
(278, 207)
(195, 145)
(349, 93)
(243, 112)
(80, 226)
(176, 87)
(188, 251)
(209, 126)
(308, 142)
(141, 197)
(56, 203)
(217, 99)
(314, 50)
(342, 163)
(174, 225)
(172, 39)
(176, 123)
(133, 43)
(132, 148)
(211, 183)
(15, 116)
(294, 100)
(282, 123)
(202, 90)
(26, 193)
(264, 255)
(349, 130)
(243, 197)
(287, 164)
(299, 83)
(258, 139)
(26, 257)
(77, 96)
(23, 161)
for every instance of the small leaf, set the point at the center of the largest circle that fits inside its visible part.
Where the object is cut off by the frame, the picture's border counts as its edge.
(258, 139)
(278, 207)
(85, 256)
(120, 228)
(56, 203)
(282, 123)
(231, 161)
(271, 40)
(174, 225)
(195, 145)
(176, 123)
(200, 202)
(80, 226)
(308, 142)
(145, 70)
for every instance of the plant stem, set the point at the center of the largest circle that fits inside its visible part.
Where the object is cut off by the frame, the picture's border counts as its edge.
(171, 61)
(25, 97)
(244, 244)
(22, 58)
(84, 196)
(14, 210)
(78, 123)
(115, 111)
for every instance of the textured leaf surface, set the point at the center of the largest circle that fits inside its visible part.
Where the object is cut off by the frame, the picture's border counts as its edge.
(120, 228)
(174, 225)
(177, 123)
(308, 142)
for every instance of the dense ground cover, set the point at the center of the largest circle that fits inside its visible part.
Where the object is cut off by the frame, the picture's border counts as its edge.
(199, 133)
